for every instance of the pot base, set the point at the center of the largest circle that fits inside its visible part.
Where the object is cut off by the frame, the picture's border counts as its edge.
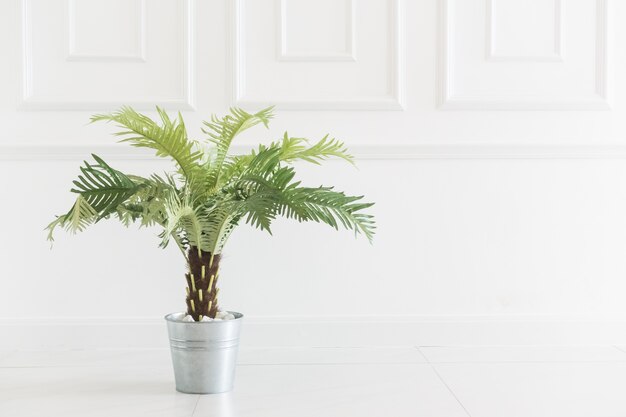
(204, 354)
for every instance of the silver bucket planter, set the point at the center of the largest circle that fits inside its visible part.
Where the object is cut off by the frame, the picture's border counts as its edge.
(204, 354)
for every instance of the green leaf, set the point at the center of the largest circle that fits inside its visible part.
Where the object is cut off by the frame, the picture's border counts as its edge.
(268, 190)
(211, 192)
(168, 139)
(76, 219)
(147, 204)
(183, 217)
(293, 149)
(324, 205)
(103, 187)
(222, 131)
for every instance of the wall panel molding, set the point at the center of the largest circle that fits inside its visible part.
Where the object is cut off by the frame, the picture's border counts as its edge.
(283, 50)
(449, 100)
(30, 101)
(239, 92)
(603, 31)
(491, 38)
(74, 55)
(37, 152)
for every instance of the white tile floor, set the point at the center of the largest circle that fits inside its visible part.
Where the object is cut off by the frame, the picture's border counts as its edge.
(515, 381)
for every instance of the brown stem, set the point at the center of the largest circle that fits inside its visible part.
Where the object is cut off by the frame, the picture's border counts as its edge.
(202, 283)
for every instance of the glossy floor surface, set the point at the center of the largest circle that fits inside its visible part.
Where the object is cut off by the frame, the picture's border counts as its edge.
(301, 382)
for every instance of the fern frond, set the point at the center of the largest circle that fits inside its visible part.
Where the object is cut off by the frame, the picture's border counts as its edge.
(324, 205)
(222, 131)
(147, 204)
(221, 221)
(211, 191)
(76, 219)
(268, 197)
(267, 190)
(103, 187)
(183, 218)
(260, 209)
(293, 149)
(168, 139)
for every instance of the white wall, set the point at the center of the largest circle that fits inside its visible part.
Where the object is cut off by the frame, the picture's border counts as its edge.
(489, 132)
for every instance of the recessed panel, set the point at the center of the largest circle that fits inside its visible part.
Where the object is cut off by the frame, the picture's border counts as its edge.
(524, 67)
(263, 72)
(106, 29)
(146, 63)
(330, 20)
(528, 29)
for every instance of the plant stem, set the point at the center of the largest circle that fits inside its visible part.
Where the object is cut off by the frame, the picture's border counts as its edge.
(202, 296)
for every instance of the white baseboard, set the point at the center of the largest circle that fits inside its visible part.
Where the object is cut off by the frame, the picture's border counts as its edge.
(107, 333)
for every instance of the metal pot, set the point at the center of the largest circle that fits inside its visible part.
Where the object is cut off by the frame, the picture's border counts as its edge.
(204, 354)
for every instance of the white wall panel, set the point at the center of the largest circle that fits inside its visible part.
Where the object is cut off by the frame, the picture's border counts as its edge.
(332, 23)
(317, 65)
(499, 222)
(524, 31)
(507, 54)
(91, 54)
(113, 30)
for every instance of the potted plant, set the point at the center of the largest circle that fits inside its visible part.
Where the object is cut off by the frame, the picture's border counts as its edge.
(197, 207)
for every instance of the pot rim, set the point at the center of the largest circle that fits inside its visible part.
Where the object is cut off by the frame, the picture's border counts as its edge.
(238, 316)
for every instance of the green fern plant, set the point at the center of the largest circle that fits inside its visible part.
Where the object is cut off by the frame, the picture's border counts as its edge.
(211, 192)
